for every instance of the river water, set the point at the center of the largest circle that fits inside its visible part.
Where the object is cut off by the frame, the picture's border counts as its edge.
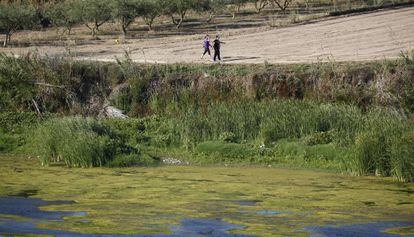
(199, 201)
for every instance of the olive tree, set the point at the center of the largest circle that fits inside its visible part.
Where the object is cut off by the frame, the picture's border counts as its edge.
(235, 5)
(260, 4)
(64, 14)
(212, 7)
(151, 9)
(15, 16)
(125, 11)
(180, 8)
(94, 13)
(282, 4)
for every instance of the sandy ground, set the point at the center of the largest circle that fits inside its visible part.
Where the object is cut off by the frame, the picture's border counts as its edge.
(377, 35)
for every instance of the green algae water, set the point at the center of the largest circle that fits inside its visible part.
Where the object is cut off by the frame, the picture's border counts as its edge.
(199, 201)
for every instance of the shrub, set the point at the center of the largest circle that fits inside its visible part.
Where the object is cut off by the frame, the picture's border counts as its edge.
(7, 142)
(17, 123)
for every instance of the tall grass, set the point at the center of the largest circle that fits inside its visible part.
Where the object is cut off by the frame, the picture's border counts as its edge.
(270, 121)
(402, 157)
(368, 141)
(78, 142)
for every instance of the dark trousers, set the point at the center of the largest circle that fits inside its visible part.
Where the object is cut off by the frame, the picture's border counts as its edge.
(207, 50)
(217, 55)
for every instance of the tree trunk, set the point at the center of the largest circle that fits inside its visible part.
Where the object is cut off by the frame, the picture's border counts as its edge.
(94, 33)
(5, 40)
(149, 22)
(307, 6)
(174, 21)
(8, 38)
(92, 29)
(95, 30)
(210, 17)
(124, 26)
(180, 22)
(335, 5)
(257, 7)
(260, 5)
(349, 4)
(124, 30)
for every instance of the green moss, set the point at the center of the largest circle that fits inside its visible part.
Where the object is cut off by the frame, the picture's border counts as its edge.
(151, 200)
(404, 231)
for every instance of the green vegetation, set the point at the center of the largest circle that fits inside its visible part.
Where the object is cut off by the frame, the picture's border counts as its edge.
(325, 115)
(74, 87)
(95, 13)
(14, 127)
(148, 200)
(64, 15)
(13, 17)
(79, 142)
(323, 135)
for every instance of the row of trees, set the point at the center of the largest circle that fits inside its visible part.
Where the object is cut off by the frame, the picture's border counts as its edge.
(27, 14)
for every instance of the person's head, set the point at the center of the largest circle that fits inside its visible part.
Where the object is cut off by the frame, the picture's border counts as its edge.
(217, 37)
(206, 37)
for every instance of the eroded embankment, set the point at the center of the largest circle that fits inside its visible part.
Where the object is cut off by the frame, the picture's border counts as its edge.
(78, 87)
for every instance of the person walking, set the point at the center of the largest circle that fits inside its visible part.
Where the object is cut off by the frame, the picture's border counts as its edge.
(216, 47)
(206, 45)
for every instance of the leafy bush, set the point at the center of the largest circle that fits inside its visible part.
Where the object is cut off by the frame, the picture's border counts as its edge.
(7, 142)
(14, 128)
(15, 122)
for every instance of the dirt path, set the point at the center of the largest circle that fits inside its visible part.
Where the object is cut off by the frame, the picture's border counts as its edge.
(381, 34)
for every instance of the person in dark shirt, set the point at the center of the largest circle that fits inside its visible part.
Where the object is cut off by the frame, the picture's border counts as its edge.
(216, 46)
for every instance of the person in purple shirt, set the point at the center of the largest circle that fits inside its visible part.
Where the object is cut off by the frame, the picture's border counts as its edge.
(206, 46)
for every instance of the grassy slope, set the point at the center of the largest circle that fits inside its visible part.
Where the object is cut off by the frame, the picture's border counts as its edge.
(317, 115)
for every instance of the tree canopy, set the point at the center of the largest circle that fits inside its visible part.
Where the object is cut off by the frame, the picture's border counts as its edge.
(15, 16)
